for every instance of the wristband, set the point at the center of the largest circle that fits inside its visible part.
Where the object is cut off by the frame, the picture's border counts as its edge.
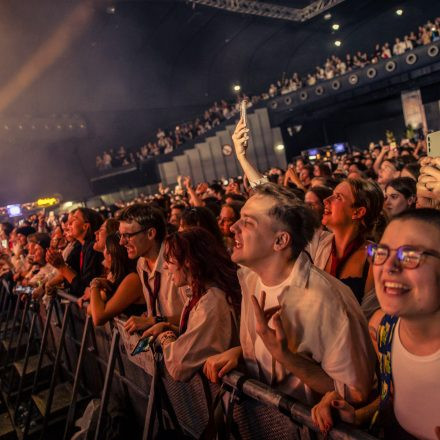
(167, 336)
(260, 181)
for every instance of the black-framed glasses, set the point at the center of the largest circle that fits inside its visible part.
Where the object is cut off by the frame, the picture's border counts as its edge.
(128, 235)
(408, 256)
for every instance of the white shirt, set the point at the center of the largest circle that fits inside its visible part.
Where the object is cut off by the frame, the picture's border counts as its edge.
(320, 248)
(170, 299)
(211, 329)
(322, 319)
(416, 381)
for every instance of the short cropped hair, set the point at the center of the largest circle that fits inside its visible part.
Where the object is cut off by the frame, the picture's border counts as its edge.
(299, 220)
(147, 216)
(427, 215)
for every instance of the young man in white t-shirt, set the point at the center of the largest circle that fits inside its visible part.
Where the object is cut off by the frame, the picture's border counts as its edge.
(318, 340)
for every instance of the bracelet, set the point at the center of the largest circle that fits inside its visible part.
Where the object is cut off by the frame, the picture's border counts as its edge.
(167, 336)
(261, 181)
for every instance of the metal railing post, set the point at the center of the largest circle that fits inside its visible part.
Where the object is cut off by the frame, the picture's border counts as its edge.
(34, 308)
(82, 352)
(55, 369)
(39, 362)
(107, 383)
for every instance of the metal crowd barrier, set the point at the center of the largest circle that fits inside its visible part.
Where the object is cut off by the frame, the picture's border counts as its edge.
(70, 363)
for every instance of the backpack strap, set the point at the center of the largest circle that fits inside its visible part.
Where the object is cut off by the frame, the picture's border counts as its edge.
(385, 333)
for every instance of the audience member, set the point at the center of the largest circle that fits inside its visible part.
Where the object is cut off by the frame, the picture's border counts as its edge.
(407, 332)
(400, 195)
(142, 230)
(120, 292)
(208, 324)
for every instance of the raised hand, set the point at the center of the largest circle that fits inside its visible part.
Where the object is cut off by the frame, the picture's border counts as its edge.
(241, 138)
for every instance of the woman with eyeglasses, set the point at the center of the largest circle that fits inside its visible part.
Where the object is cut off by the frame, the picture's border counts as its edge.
(350, 213)
(406, 332)
(119, 292)
(209, 320)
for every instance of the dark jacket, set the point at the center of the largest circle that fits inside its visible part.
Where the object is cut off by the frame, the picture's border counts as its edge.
(91, 268)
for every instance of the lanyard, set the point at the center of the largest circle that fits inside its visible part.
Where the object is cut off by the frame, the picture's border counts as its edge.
(153, 294)
(185, 314)
(338, 263)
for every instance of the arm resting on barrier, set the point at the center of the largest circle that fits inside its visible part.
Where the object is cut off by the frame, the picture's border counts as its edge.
(331, 402)
(218, 365)
(128, 292)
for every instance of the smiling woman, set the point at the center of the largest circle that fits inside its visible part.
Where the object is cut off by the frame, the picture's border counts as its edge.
(406, 266)
(351, 214)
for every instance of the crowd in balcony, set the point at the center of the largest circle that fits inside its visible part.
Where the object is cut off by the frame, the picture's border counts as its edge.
(167, 140)
(335, 66)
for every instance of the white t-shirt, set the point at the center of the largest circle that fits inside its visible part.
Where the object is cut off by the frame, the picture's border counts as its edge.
(416, 381)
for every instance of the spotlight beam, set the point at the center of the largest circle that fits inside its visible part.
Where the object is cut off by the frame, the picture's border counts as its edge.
(58, 42)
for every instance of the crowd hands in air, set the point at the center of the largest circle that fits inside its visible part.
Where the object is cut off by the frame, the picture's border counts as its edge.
(167, 141)
(306, 279)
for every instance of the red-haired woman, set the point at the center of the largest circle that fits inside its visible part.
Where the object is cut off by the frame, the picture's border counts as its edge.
(208, 323)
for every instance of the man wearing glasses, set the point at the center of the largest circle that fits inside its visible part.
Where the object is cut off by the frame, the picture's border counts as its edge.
(142, 229)
(406, 267)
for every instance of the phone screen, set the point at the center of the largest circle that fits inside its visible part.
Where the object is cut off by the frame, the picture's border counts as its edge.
(142, 345)
(243, 111)
(5, 244)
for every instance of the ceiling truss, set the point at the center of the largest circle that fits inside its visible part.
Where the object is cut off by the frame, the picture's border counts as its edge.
(264, 9)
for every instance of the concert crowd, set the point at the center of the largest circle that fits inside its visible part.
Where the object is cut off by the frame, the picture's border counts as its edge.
(321, 280)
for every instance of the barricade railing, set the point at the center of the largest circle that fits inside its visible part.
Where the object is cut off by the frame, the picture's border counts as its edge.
(101, 355)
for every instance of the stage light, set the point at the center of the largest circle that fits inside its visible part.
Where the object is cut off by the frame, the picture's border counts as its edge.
(335, 26)
(337, 43)
(279, 147)
(111, 10)
(236, 87)
(13, 210)
(399, 12)
(327, 16)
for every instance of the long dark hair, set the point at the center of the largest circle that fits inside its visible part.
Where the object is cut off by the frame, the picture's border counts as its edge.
(121, 265)
(207, 262)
